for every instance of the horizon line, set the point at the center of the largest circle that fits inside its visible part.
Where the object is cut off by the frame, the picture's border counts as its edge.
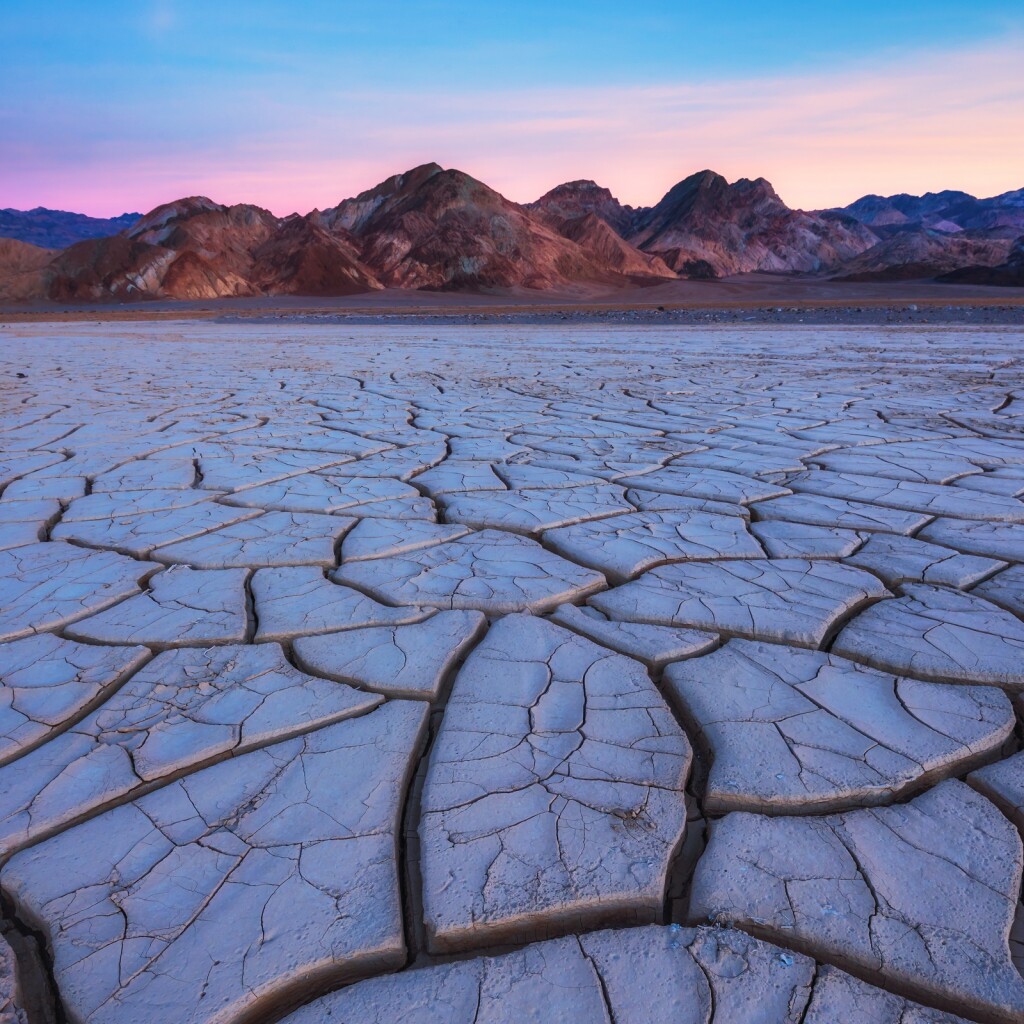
(575, 181)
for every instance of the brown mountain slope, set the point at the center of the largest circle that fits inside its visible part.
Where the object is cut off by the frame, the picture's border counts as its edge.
(921, 254)
(22, 270)
(744, 227)
(301, 258)
(197, 249)
(351, 215)
(1009, 274)
(103, 268)
(577, 198)
(606, 247)
(190, 249)
(191, 276)
(442, 229)
(224, 237)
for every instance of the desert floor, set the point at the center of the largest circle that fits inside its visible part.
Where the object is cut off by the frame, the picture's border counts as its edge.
(746, 298)
(368, 671)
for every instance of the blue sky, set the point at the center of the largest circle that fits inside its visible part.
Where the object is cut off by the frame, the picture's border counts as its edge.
(110, 105)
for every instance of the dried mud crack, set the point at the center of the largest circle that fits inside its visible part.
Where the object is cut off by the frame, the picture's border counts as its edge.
(620, 672)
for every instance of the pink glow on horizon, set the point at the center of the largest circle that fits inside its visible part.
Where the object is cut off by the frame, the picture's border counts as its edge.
(949, 120)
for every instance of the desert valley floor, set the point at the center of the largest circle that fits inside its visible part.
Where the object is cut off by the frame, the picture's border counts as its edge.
(470, 675)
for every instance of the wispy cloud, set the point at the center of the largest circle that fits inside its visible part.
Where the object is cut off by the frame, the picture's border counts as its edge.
(908, 122)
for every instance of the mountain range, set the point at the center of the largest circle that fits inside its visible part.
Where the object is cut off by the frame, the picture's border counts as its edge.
(947, 212)
(439, 229)
(57, 229)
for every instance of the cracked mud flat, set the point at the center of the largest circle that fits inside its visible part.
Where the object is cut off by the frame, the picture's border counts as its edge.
(464, 674)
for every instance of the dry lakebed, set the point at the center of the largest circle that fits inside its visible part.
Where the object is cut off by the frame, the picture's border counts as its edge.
(636, 674)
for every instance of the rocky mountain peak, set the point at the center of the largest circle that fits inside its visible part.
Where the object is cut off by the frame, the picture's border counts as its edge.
(705, 222)
(169, 213)
(577, 198)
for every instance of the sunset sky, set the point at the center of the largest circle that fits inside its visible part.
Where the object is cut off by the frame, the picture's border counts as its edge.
(110, 106)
